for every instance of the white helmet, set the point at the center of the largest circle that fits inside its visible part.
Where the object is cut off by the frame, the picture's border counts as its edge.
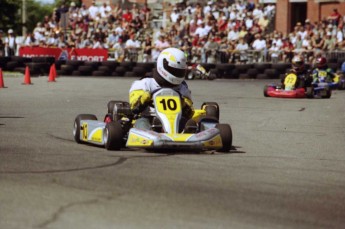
(172, 65)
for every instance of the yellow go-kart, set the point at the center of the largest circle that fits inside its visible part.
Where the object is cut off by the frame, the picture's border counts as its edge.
(117, 130)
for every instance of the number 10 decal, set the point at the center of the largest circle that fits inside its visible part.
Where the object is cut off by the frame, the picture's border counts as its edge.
(169, 103)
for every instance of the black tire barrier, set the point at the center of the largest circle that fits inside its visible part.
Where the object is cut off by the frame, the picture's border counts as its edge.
(271, 73)
(252, 73)
(110, 64)
(262, 76)
(86, 70)
(93, 65)
(41, 66)
(281, 67)
(261, 67)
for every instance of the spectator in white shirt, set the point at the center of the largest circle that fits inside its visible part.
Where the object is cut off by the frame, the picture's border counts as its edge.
(201, 30)
(10, 44)
(233, 34)
(93, 10)
(259, 46)
(104, 10)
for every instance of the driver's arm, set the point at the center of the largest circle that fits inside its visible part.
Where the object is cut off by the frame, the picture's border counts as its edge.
(138, 99)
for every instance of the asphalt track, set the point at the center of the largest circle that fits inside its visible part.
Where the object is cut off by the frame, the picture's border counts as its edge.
(286, 169)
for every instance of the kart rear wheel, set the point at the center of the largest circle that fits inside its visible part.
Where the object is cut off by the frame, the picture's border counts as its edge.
(76, 128)
(211, 108)
(265, 91)
(226, 136)
(310, 92)
(113, 136)
(212, 76)
(111, 106)
(341, 85)
(328, 93)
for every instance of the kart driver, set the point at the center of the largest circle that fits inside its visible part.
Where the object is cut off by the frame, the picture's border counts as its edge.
(169, 73)
(322, 71)
(298, 76)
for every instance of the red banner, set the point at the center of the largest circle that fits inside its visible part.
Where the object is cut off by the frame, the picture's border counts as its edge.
(94, 55)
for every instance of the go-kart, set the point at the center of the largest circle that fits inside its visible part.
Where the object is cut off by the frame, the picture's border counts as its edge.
(337, 83)
(197, 71)
(289, 90)
(118, 128)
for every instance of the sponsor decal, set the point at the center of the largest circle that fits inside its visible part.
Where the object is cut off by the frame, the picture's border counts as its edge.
(86, 54)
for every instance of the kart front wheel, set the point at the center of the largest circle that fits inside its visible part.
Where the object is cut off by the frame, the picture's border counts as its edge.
(77, 127)
(113, 136)
(226, 136)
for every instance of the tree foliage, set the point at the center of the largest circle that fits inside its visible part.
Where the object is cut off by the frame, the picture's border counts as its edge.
(11, 14)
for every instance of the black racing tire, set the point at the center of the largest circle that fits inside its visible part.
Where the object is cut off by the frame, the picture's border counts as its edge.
(233, 74)
(58, 64)
(92, 64)
(212, 109)
(75, 63)
(260, 67)
(140, 71)
(11, 65)
(265, 91)
(341, 85)
(328, 93)
(110, 64)
(281, 67)
(244, 76)
(99, 73)
(243, 68)
(120, 70)
(127, 65)
(19, 69)
(309, 92)
(272, 73)
(212, 76)
(262, 76)
(131, 74)
(111, 105)
(85, 70)
(113, 136)
(226, 136)
(76, 128)
(252, 73)
(76, 73)
(67, 68)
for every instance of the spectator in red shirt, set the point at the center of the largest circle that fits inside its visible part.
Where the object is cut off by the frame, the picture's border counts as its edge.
(335, 17)
(287, 48)
(127, 15)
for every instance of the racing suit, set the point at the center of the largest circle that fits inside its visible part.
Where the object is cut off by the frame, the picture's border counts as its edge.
(140, 97)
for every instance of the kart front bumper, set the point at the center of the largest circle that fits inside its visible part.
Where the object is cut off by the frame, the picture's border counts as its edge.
(209, 139)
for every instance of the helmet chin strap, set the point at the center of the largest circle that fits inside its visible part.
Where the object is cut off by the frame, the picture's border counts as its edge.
(161, 81)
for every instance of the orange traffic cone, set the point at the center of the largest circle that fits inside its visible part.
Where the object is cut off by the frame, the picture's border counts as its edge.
(52, 73)
(2, 85)
(27, 78)
(54, 70)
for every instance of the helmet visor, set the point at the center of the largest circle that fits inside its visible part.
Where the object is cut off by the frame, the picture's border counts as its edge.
(177, 72)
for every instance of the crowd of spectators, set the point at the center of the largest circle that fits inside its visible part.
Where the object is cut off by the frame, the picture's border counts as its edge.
(217, 31)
